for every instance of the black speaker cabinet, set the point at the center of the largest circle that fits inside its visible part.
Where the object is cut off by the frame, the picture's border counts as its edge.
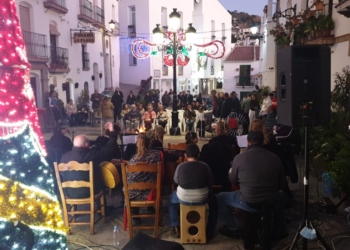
(304, 85)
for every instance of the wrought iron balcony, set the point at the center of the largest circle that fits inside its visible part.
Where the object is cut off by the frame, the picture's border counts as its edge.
(36, 46)
(58, 6)
(86, 12)
(244, 81)
(86, 61)
(99, 17)
(132, 30)
(59, 60)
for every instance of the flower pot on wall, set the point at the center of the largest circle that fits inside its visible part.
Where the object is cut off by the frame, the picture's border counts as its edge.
(319, 33)
(327, 33)
(295, 21)
(319, 6)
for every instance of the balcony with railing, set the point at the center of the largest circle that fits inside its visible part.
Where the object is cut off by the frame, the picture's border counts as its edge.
(99, 18)
(86, 12)
(86, 61)
(36, 47)
(58, 6)
(59, 60)
(244, 81)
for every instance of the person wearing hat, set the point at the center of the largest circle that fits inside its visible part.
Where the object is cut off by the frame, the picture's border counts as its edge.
(260, 176)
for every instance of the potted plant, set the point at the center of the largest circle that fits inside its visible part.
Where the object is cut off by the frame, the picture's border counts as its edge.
(300, 34)
(319, 5)
(311, 27)
(282, 40)
(328, 26)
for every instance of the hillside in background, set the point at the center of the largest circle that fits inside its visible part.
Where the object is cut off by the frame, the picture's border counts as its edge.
(245, 18)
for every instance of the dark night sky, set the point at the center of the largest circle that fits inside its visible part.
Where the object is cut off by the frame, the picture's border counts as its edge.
(250, 6)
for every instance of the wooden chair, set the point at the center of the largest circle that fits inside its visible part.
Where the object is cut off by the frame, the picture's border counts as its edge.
(75, 166)
(142, 167)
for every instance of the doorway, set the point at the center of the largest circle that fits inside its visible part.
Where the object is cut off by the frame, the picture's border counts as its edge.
(67, 92)
(33, 84)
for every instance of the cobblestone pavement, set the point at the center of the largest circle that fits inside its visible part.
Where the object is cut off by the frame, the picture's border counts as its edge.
(331, 226)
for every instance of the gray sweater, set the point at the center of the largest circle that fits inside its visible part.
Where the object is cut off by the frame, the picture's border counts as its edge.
(259, 173)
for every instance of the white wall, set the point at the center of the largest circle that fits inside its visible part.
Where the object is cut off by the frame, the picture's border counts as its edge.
(41, 18)
(230, 74)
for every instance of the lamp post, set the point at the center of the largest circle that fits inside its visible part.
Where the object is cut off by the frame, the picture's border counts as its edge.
(177, 48)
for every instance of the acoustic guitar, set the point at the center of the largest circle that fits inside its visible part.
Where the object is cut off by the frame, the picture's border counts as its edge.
(110, 174)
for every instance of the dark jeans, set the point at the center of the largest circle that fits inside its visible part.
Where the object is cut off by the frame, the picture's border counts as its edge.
(148, 125)
(189, 124)
(227, 200)
(162, 123)
(173, 205)
(117, 112)
(72, 119)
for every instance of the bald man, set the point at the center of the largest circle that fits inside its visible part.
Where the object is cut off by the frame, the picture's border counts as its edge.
(82, 153)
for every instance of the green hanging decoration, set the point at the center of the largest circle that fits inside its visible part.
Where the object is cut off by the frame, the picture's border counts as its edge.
(202, 54)
(184, 51)
(154, 53)
(170, 50)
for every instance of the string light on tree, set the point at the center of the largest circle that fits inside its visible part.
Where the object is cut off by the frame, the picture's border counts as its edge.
(30, 215)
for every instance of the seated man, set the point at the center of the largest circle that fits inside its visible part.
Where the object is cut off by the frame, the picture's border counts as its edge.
(133, 118)
(82, 153)
(195, 181)
(260, 176)
(71, 111)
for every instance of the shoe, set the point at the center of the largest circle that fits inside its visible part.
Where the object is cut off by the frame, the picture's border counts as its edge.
(209, 236)
(228, 233)
(176, 231)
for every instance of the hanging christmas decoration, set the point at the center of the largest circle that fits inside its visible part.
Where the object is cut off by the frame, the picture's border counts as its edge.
(217, 44)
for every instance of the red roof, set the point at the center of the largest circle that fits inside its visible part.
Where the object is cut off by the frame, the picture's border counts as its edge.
(244, 53)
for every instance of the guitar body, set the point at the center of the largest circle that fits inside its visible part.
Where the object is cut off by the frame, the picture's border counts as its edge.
(110, 174)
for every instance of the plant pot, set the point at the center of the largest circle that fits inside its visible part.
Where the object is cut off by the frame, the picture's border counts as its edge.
(319, 6)
(327, 33)
(295, 21)
(319, 33)
(346, 203)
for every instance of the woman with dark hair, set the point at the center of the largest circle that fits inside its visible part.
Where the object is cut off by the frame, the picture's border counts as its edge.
(191, 138)
(189, 116)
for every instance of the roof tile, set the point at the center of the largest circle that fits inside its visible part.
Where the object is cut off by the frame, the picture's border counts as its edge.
(244, 53)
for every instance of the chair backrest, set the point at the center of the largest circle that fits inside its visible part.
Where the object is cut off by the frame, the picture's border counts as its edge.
(179, 146)
(74, 166)
(141, 167)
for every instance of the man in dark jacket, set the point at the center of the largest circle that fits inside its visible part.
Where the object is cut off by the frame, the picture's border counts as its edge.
(166, 99)
(227, 106)
(260, 176)
(189, 98)
(82, 153)
(117, 100)
(96, 99)
(237, 104)
(131, 99)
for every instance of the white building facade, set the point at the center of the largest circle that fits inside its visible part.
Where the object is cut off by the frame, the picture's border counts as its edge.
(59, 63)
(339, 41)
(139, 18)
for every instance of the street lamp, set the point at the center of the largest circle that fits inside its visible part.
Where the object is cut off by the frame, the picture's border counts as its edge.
(175, 47)
(112, 25)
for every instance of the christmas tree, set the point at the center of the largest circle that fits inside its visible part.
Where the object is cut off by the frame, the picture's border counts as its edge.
(30, 214)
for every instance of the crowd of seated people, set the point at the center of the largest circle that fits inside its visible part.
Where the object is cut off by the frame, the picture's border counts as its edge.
(219, 163)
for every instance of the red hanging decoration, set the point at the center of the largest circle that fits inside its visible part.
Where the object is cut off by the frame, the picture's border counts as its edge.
(215, 43)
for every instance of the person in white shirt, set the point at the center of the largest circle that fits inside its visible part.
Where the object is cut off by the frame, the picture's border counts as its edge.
(71, 111)
(266, 103)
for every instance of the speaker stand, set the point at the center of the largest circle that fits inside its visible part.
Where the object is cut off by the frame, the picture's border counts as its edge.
(306, 202)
